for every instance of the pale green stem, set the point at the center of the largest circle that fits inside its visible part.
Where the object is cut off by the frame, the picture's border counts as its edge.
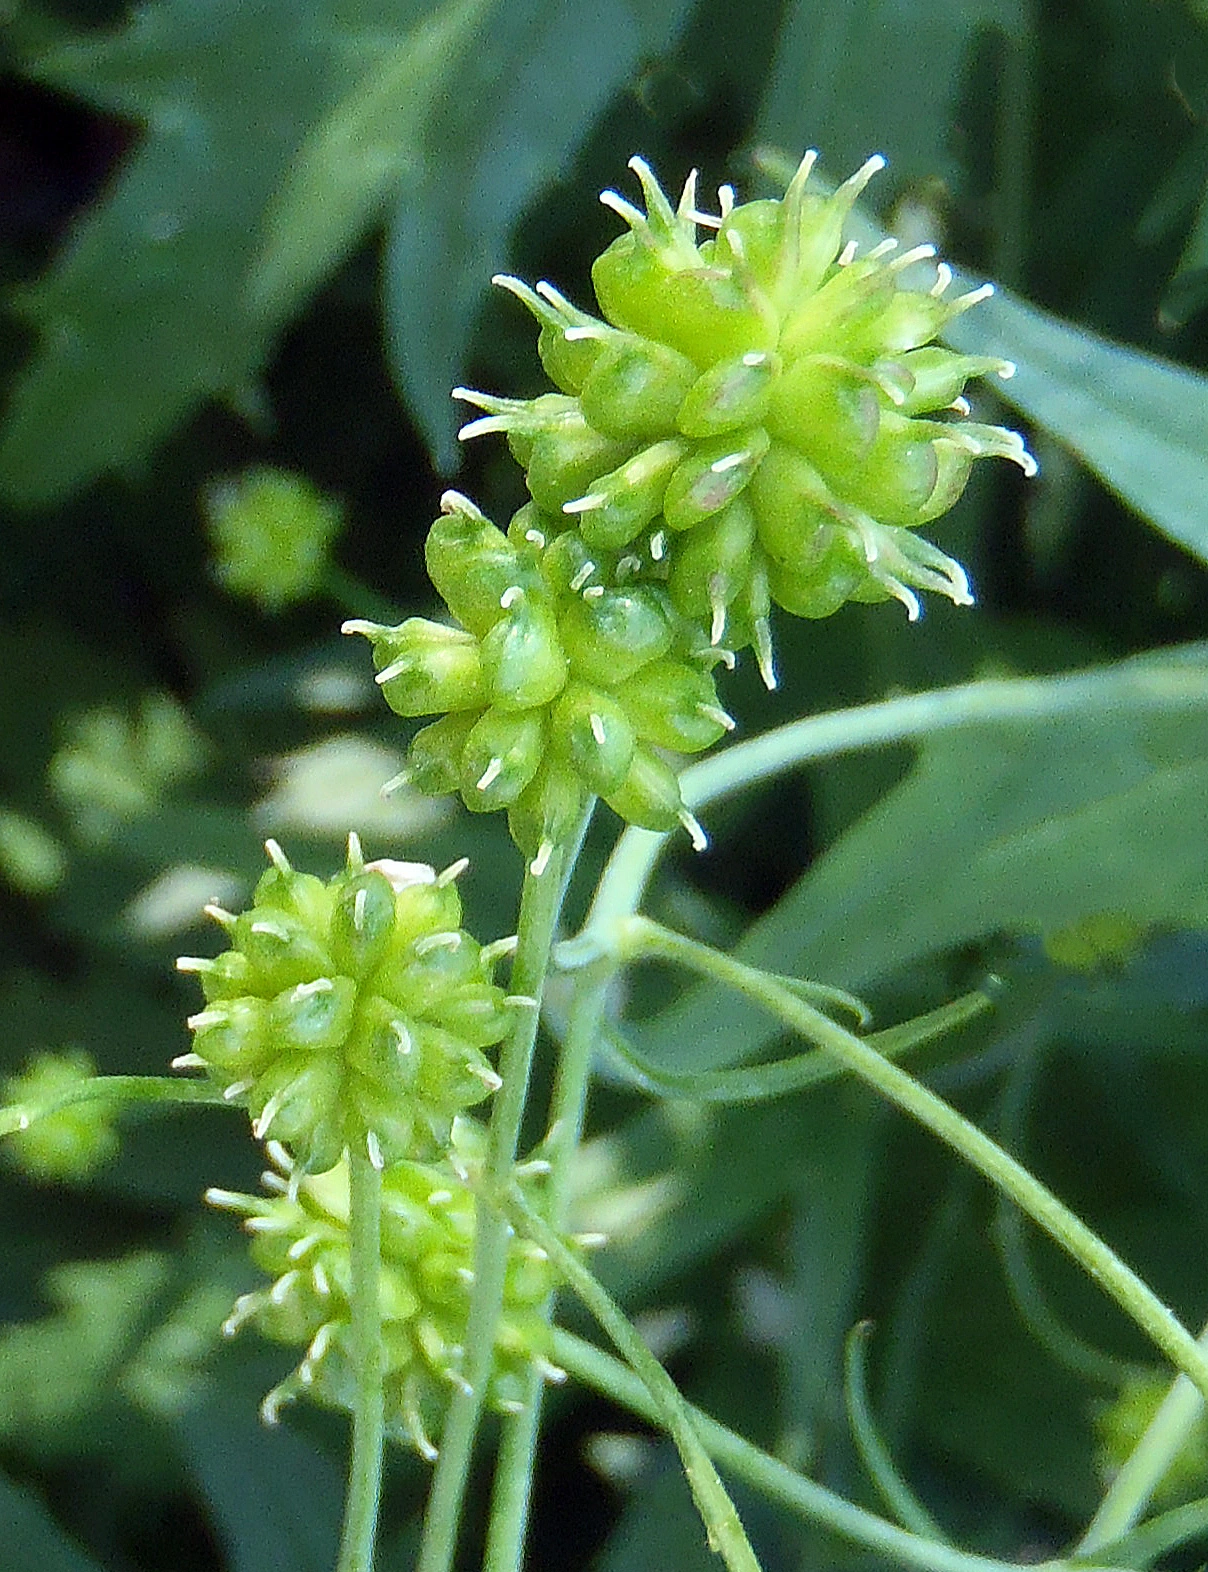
(1139, 686)
(368, 1415)
(518, 1443)
(356, 599)
(539, 905)
(723, 1526)
(637, 937)
(119, 1090)
(874, 1454)
(779, 1483)
(505, 1540)
(513, 1485)
(1147, 1465)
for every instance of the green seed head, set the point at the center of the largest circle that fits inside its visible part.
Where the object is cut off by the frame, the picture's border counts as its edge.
(540, 716)
(355, 1004)
(300, 1239)
(759, 416)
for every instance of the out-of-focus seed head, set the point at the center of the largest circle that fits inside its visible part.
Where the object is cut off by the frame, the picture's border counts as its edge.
(300, 1239)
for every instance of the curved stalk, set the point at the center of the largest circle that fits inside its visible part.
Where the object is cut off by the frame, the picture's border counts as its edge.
(636, 937)
(121, 1091)
(723, 1526)
(779, 1483)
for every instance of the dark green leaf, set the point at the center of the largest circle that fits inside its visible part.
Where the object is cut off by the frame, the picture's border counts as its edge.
(1138, 422)
(33, 1541)
(1016, 826)
(371, 142)
(542, 72)
(854, 78)
(141, 317)
(275, 1500)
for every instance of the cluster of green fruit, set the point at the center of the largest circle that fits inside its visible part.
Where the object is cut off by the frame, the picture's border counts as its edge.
(353, 1005)
(759, 418)
(300, 1234)
(353, 1013)
(564, 677)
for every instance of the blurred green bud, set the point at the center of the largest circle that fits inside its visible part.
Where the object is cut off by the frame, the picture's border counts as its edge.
(44, 1131)
(271, 533)
(300, 1239)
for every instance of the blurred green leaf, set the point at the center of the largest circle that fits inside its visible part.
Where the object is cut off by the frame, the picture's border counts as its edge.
(141, 317)
(370, 142)
(33, 1541)
(275, 1500)
(1017, 827)
(1140, 423)
(541, 73)
(854, 77)
(659, 1527)
(132, 1331)
(1187, 290)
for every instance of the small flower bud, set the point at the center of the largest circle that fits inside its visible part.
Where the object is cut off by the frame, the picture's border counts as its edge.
(424, 668)
(49, 1142)
(730, 395)
(620, 505)
(501, 756)
(472, 564)
(712, 477)
(674, 705)
(593, 730)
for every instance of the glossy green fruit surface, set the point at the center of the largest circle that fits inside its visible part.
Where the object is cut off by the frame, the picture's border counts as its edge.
(757, 416)
(350, 1009)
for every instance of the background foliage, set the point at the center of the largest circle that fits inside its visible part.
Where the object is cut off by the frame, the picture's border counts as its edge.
(260, 232)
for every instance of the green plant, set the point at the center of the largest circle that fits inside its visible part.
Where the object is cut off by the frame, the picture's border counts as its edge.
(749, 436)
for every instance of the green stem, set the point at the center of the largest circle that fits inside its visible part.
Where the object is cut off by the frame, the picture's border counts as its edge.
(368, 1415)
(636, 937)
(1147, 1465)
(540, 902)
(518, 1444)
(722, 1523)
(779, 1483)
(1139, 687)
(513, 1485)
(122, 1090)
(874, 1454)
(505, 1540)
(761, 1082)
